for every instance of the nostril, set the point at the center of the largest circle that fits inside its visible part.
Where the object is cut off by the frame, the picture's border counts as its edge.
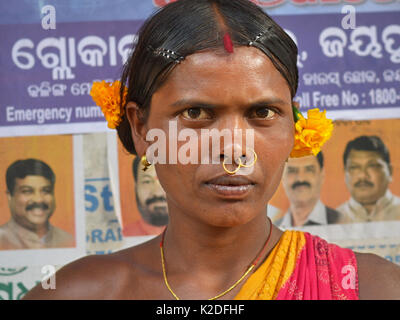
(243, 158)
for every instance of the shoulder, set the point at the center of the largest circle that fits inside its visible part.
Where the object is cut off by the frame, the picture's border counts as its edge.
(60, 233)
(4, 228)
(344, 212)
(97, 277)
(332, 215)
(91, 277)
(377, 277)
(343, 206)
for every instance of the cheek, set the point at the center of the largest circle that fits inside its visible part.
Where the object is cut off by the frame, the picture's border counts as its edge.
(142, 193)
(348, 178)
(380, 178)
(49, 199)
(287, 181)
(275, 147)
(18, 204)
(174, 178)
(21, 201)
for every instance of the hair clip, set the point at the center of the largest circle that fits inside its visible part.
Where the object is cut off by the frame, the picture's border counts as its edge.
(251, 42)
(166, 53)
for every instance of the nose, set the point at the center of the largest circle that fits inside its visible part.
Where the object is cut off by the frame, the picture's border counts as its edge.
(37, 196)
(233, 154)
(300, 174)
(363, 173)
(238, 149)
(158, 190)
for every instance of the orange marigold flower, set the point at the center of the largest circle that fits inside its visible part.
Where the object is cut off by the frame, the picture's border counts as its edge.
(107, 97)
(311, 133)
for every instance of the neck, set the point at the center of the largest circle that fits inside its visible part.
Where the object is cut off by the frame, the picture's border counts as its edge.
(191, 245)
(301, 210)
(369, 207)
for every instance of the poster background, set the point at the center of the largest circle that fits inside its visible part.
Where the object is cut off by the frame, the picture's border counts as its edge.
(57, 152)
(129, 210)
(79, 18)
(55, 67)
(334, 191)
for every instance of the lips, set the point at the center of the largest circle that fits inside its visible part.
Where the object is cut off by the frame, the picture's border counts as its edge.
(230, 186)
(230, 180)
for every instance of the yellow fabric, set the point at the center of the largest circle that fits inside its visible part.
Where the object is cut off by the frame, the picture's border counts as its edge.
(267, 280)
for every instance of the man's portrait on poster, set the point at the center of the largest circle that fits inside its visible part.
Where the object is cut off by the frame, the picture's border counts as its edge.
(151, 203)
(302, 180)
(30, 195)
(368, 174)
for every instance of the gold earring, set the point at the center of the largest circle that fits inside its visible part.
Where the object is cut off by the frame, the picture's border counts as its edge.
(145, 163)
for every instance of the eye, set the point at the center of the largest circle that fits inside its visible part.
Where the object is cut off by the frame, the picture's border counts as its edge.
(263, 113)
(291, 170)
(196, 114)
(375, 165)
(353, 168)
(47, 191)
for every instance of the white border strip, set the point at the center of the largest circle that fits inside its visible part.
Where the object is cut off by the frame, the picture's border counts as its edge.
(355, 231)
(53, 129)
(363, 114)
(113, 172)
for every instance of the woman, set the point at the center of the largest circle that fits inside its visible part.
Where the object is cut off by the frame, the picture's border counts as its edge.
(219, 65)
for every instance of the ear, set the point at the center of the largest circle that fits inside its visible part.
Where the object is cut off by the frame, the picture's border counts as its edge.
(296, 104)
(8, 195)
(323, 173)
(138, 127)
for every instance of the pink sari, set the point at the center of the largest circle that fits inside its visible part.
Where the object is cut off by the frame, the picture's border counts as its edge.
(304, 267)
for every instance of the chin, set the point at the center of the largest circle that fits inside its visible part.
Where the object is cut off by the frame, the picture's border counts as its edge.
(230, 217)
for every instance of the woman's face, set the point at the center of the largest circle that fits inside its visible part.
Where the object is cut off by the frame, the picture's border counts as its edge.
(217, 90)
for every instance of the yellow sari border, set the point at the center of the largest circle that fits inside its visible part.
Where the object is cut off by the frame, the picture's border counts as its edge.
(268, 279)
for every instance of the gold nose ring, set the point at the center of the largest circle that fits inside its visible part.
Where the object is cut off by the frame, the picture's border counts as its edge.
(249, 165)
(240, 164)
(234, 171)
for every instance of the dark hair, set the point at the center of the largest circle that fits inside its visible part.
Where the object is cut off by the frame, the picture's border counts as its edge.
(367, 143)
(320, 158)
(29, 167)
(185, 27)
(135, 164)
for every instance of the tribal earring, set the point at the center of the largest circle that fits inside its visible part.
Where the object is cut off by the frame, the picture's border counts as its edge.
(145, 163)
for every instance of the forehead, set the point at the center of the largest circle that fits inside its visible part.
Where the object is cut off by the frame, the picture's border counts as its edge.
(364, 156)
(32, 181)
(302, 162)
(228, 78)
(149, 173)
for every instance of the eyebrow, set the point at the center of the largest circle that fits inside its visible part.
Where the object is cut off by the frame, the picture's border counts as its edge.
(25, 186)
(146, 176)
(206, 105)
(33, 187)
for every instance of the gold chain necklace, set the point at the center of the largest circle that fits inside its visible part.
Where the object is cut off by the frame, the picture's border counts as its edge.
(254, 263)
